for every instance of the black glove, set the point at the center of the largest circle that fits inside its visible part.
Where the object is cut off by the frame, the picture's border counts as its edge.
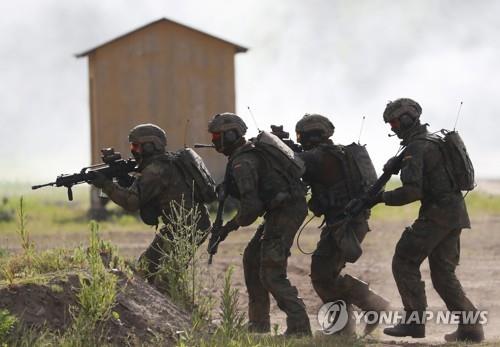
(99, 180)
(372, 201)
(226, 229)
(392, 166)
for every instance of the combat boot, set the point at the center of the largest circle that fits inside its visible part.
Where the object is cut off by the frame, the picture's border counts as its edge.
(412, 329)
(259, 327)
(466, 333)
(402, 329)
(298, 329)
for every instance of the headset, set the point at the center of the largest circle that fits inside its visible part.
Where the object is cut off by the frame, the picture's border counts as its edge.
(230, 136)
(406, 121)
(148, 148)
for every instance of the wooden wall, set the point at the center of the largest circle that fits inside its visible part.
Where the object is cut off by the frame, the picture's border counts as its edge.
(165, 74)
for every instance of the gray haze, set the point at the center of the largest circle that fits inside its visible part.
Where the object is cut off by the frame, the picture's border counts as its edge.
(344, 59)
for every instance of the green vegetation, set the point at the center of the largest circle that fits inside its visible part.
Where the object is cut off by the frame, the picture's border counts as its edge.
(7, 322)
(182, 272)
(178, 272)
(232, 320)
(50, 212)
(30, 265)
(96, 296)
(97, 293)
(478, 204)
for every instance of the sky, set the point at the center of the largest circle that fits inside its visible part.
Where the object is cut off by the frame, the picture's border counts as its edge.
(343, 59)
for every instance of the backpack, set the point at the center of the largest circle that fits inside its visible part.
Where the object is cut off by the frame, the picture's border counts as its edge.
(360, 169)
(457, 160)
(280, 154)
(357, 166)
(196, 174)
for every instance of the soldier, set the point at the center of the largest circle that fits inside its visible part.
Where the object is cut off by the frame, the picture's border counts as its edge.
(263, 188)
(436, 232)
(327, 174)
(160, 182)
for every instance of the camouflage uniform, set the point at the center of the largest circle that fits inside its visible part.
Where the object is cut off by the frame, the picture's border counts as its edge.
(436, 232)
(330, 194)
(260, 191)
(159, 184)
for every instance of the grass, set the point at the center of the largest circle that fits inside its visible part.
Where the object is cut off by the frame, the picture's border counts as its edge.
(96, 296)
(98, 291)
(180, 275)
(478, 203)
(7, 322)
(50, 212)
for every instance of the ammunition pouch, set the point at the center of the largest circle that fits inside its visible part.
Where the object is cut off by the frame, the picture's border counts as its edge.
(325, 199)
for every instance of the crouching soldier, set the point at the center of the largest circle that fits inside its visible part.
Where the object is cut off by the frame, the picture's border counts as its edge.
(263, 179)
(336, 174)
(162, 180)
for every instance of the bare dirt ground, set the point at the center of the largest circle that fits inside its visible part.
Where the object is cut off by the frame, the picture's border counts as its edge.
(479, 272)
(479, 269)
(142, 310)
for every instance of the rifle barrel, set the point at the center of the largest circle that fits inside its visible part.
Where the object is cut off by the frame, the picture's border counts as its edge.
(43, 185)
(202, 145)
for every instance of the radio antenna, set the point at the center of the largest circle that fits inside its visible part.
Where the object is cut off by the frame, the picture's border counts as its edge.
(458, 114)
(253, 118)
(185, 132)
(361, 130)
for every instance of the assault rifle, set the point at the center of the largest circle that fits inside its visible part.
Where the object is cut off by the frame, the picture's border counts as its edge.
(284, 136)
(356, 206)
(113, 166)
(216, 235)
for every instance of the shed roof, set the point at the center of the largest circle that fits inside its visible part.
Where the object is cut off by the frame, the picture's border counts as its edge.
(239, 49)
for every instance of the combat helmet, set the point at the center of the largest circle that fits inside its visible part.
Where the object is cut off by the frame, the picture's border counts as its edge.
(316, 123)
(148, 133)
(223, 122)
(227, 132)
(399, 107)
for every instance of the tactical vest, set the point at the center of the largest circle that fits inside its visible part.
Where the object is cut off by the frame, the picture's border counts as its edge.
(457, 161)
(281, 172)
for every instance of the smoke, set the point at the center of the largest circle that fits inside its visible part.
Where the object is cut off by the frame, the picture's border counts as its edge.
(343, 59)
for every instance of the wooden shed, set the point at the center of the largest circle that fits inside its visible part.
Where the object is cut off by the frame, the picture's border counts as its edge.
(164, 73)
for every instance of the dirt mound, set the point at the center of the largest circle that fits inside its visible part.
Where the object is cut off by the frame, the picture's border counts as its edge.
(144, 313)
